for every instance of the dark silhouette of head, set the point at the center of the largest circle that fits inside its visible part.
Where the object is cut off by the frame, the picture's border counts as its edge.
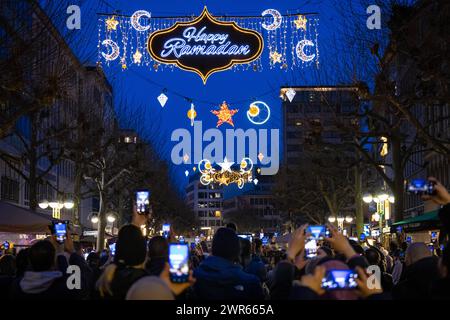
(42, 256)
(158, 247)
(232, 226)
(93, 260)
(131, 248)
(22, 262)
(8, 265)
(372, 256)
(225, 244)
(257, 243)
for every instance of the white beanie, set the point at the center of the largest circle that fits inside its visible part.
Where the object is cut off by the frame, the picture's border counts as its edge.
(150, 288)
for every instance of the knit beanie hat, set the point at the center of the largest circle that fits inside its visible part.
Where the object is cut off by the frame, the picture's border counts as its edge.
(131, 247)
(225, 244)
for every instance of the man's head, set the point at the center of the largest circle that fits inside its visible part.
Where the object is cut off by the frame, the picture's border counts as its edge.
(158, 247)
(372, 256)
(131, 249)
(42, 256)
(232, 226)
(257, 245)
(415, 252)
(225, 244)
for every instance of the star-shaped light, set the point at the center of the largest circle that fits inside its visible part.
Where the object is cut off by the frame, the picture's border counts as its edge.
(111, 23)
(224, 114)
(301, 22)
(137, 56)
(275, 57)
(226, 165)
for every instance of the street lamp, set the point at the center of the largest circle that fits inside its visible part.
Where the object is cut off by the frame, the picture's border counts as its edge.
(349, 219)
(331, 219)
(367, 198)
(56, 207)
(111, 218)
(94, 219)
(381, 213)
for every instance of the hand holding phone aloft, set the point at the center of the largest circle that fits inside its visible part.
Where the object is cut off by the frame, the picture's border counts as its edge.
(441, 196)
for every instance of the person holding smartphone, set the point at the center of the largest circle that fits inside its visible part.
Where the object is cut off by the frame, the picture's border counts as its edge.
(46, 278)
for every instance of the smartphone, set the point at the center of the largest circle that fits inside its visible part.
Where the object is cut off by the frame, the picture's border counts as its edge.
(340, 280)
(112, 249)
(319, 232)
(310, 248)
(179, 262)
(143, 202)
(193, 246)
(60, 231)
(166, 230)
(5, 245)
(421, 186)
(245, 236)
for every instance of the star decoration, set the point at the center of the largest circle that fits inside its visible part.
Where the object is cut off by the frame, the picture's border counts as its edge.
(111, 23)
(226, 165)
(224, 114)
(137, 57)
(300, 23)
(275, 57)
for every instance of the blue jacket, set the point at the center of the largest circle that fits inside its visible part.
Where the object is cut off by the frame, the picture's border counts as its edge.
(220, 279)
(257, 267)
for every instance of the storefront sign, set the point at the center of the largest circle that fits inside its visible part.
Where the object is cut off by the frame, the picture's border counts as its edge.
(205, 45)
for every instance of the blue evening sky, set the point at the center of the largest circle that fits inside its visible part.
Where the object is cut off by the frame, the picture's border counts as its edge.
(141, 87)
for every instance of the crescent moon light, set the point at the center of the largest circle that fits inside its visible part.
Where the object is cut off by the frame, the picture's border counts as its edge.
(135, 18)
(115, 51)
(277, 19)
(300, 50)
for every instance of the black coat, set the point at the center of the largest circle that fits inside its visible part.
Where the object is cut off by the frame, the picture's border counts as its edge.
(418, 281)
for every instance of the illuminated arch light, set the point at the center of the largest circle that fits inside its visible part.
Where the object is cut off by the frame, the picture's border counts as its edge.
(277, 19)
(135, 20)
(300, 50)
(115, 51)
(258, 113)
(226, 177)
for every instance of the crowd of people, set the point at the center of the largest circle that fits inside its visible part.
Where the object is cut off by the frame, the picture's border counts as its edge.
(230, 268)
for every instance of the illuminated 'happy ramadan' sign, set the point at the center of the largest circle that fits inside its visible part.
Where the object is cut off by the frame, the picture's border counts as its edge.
(205, 45)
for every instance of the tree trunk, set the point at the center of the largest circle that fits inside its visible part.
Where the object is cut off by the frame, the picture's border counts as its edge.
(399, 178)
(77, 193)
(358, 202)
(32, 158)
(101, 224)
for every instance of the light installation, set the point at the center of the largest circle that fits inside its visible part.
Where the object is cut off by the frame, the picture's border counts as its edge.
(258, 113)
(224, 114)
(287, 42)
(226, 175)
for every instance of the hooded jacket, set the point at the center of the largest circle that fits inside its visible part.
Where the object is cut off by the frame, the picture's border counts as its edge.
(220, 279)
(418, 281)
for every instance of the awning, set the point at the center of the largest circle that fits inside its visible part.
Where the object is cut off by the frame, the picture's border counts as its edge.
(429, 216)
(17, 219)
(427, 221)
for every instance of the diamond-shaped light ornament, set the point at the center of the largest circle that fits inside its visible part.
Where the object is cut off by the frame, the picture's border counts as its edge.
(186, 173)
(162, 99)
(185, 158)
(290, 94)
(260, 157)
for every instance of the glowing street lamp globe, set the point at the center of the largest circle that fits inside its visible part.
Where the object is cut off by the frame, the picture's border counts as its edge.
(367, 198)
(94, 219)
(391, 199)
(111, 218)
(349, 219)
(69, 204)
(331, 219)
(43, 204)
(383, 197)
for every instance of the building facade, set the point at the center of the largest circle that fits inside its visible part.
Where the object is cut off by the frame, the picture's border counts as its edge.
(206, 202)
